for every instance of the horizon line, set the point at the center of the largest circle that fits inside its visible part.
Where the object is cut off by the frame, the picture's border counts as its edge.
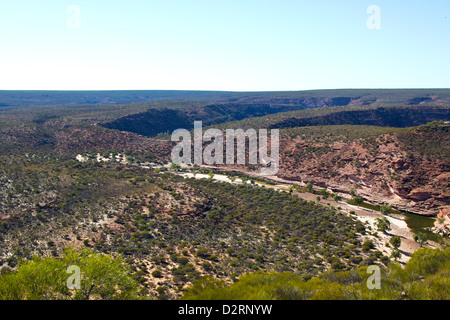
(233, 91)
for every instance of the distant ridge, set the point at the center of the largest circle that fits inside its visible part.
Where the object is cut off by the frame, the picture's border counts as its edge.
(334, 96)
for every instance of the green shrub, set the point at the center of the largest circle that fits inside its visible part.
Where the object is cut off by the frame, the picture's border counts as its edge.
(425, 276)
(367, 245)
(102, 277)
(157, 274)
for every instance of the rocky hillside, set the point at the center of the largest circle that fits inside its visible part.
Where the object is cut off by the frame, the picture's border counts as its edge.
(55, 138)
(380, 116)
(406, 168)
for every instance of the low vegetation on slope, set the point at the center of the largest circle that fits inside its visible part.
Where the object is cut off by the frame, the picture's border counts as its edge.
(375, 115)
(393, 116)
(171, 230)
(425, 276)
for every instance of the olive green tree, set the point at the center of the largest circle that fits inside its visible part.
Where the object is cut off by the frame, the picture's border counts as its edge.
(101, 277)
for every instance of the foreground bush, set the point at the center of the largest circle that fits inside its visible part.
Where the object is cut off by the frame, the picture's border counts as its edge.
(425, 276)
(102, 277)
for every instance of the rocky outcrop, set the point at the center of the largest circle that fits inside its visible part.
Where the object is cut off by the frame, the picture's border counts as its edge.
(442, 223)
(383, 171)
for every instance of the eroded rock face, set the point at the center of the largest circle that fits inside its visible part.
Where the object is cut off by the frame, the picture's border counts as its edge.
(442, 223)
(420, 194)
(383, 172)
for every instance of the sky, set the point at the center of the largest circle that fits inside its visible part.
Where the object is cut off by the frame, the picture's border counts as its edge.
(229, 45)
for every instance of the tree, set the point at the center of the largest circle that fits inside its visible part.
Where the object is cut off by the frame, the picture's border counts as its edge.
(383, 224)
(421, 238)
(309, 187)
(101, 277)
(205, 286)
(367, 245)
(203, 252)
(357, 200)
(395, 241)
(385, 209)
(396, 254)
(352, 192)
(129, 159)
(324, 193)
(337, 197)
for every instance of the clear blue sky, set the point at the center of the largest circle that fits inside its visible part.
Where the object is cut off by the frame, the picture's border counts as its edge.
(241, 45)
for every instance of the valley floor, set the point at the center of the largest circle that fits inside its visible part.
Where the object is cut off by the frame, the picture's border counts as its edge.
(367, 216)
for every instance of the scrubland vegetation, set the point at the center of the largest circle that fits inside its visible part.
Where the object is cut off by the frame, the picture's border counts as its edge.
(184, 228)
(426, 276)
(139, 233)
